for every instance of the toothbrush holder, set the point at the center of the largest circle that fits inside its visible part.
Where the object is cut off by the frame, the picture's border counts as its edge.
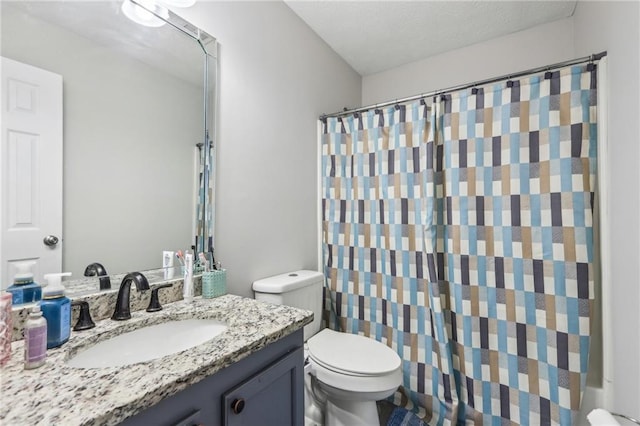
(197, 269)
(214, 283)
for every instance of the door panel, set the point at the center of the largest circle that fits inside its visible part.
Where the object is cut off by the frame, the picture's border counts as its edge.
(30, 169)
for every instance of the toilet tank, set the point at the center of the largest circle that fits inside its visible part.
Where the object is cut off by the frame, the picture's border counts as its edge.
(300, 289)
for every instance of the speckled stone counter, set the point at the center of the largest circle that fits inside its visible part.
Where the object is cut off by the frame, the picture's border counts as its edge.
(102, 302)
(56, 394)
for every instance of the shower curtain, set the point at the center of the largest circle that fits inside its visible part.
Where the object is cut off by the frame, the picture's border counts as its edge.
(461, 236)
(203, 239)
(373, 216)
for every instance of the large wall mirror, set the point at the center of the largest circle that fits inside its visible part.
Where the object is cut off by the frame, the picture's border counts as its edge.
(136, 105)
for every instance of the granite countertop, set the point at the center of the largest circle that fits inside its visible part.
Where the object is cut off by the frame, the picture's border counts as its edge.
(58, 394)
(102, 302)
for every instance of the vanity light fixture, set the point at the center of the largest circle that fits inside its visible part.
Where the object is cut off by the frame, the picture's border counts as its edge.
(151, 13)
(179, 3)
(140, 13)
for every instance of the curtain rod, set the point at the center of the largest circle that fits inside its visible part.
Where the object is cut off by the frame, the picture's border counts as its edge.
(590, 58)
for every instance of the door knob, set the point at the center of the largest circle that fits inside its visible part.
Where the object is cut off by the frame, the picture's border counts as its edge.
(50, 240)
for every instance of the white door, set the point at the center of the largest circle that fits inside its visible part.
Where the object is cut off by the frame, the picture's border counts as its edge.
(30, 170)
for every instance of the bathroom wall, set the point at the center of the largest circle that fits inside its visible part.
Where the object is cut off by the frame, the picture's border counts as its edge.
(277, 76)
(541, 45)
(614, 26)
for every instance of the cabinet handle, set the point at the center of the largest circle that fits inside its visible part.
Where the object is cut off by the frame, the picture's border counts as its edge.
(237, 405)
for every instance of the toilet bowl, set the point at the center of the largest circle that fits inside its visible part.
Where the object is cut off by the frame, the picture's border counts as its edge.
(353, 372)
(345, 373)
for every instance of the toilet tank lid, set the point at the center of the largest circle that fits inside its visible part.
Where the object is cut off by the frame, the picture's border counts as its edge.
(287, 282)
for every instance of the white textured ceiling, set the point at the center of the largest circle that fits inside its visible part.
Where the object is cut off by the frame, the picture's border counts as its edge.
(374, 36)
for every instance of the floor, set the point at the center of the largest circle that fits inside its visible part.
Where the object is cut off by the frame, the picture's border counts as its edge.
(384, 411)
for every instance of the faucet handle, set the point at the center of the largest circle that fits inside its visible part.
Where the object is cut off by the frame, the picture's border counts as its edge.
(154, 303)
(84, 317)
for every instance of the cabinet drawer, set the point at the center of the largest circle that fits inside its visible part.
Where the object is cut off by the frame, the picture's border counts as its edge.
(271, 397)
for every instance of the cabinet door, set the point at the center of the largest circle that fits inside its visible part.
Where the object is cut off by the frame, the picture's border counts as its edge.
(271, 397)
(203, 403)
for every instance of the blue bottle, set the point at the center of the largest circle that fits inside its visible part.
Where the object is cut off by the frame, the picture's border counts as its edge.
(23, 289)
(56, 308)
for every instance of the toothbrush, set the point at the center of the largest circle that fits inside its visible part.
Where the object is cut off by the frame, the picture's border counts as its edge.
(203, 261)
(180, 258)
(214, 265)
(210, 260)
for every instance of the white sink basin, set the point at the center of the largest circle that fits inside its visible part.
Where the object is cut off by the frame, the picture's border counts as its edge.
(148, 343)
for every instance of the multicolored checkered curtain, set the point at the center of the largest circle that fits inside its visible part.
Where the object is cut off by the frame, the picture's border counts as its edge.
(511, 243)
(205, 202)
(463, 239)
(374, 172)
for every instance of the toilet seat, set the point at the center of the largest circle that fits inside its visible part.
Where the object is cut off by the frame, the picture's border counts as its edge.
(354, 363)
(352, 354)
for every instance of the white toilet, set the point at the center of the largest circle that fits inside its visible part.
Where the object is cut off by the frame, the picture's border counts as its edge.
(346, 373)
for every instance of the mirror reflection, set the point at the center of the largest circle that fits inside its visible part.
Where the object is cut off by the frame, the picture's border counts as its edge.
(133, 111)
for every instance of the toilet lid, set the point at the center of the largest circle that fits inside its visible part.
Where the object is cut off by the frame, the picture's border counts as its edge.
(352, 354)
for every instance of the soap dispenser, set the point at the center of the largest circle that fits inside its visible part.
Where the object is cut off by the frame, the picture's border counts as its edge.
(23, 289)
(56, 309)
(35, 339)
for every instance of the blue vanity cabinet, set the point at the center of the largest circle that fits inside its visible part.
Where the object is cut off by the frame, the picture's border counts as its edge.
(265, 388)
(267, 398)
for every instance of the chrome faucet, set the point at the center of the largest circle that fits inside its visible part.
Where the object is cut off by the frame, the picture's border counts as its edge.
(96, 268)
(123, 308)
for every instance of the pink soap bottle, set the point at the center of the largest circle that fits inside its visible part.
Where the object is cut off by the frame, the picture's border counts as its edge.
(35, 339)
